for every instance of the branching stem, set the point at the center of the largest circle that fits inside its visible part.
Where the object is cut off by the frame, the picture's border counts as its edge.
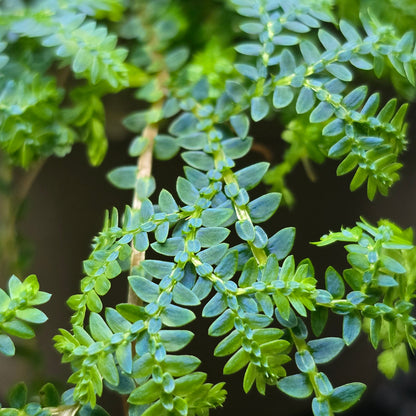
(144, 170)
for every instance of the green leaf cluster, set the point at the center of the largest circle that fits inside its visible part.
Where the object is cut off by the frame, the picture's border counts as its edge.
(18, 310)
(34, 39)
(291, 60)
(383, 285)
(255, 293)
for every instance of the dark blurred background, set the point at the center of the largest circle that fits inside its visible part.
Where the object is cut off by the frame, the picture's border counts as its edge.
(65, 209)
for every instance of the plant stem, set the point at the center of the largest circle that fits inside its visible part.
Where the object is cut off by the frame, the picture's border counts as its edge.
(8, 249)
(300, 346)
(13, 192)
(144, 170)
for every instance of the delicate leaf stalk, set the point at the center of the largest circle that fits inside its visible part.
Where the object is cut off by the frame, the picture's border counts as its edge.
(144, 172)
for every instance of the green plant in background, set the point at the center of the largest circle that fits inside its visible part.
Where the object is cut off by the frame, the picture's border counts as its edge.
(198, 94)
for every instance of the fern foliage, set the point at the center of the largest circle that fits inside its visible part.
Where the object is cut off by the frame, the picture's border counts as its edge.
(292, 60)
(18, 311)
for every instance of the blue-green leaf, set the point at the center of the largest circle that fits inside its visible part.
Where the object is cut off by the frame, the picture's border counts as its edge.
(212, 236)
(161, 232)
(202, 287)
(349, 31)
(115, 321)
(262, 208)
(320, 407)
(323, 384)
(235, 90)
(342, 398)
(144, 288)
(286, 40)
(265, 303)
(227, 266)
(392, 265)
(271, 269)
(251, 49)
(370, 107)
(334, 128)
(339, 71)
(351, 327)
(123, 177)
(145, 186)
(175, 340)
(136, 122)
(305, 362)
(6, 345)
(240, 124)
(186, 191)
(282, 96)
(249, 274)
(297, 386)
(98, 328)
(176, 316)
(165, 147)
(170, 107)
(212, 217)
(146, 210)
(250, 176)
(322, 112)
(157, 268)
(198, 160)
(328, 40)
(170, 247)
(287, 63)
(334, 283)
(215, 306)
(200, 91)
(213, 255)
(184, 124)
(310, 52)
(282, 242)
(259, 108)
(261, 237)
(252, 28)
(355, 98)
(245, 230)
(319, 318)
(223, 324)
(196, 177)
(236, 148)
(82, 61)
(248, 71)
(137, 146)
(193, 141)
(325, 349)
(305, 101)
(184, 296)
(384, 280)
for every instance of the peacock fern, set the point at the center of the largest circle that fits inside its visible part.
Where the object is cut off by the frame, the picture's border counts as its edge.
(296, 61)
